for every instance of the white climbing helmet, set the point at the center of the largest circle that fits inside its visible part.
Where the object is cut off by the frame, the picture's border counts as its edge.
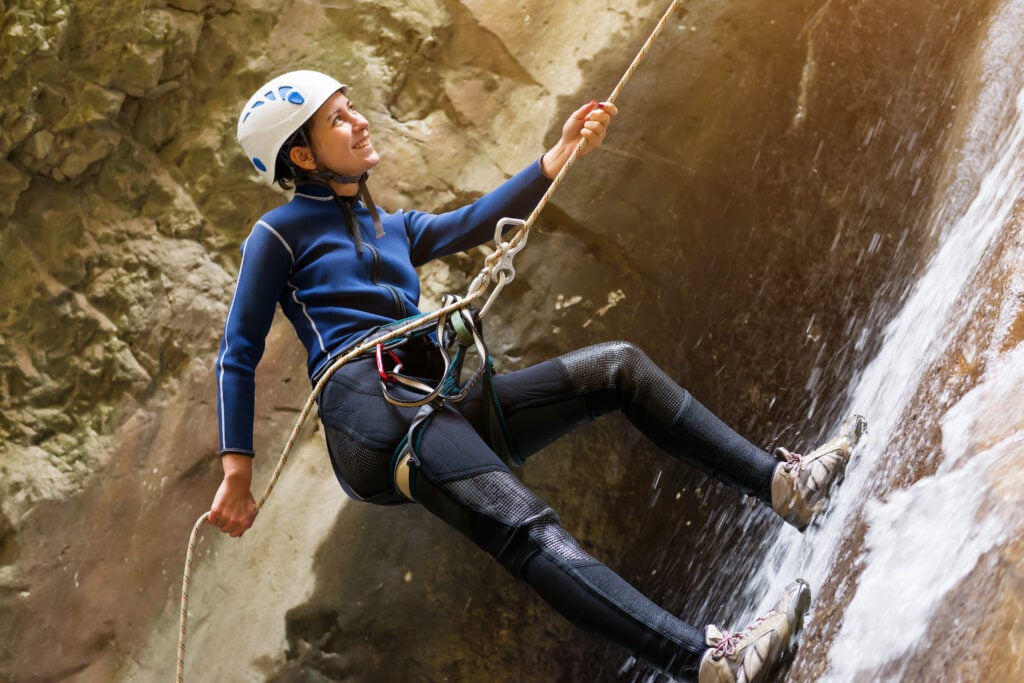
(277, 110)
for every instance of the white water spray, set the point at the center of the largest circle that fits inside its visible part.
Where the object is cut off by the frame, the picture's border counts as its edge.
(921, 541)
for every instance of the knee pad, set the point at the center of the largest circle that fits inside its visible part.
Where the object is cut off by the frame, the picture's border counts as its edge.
(501, 516)
(618, 375)
(547, 535)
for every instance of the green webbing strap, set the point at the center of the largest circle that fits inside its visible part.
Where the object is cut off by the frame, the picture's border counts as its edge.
(462, 330)
(427, 328)
(495, 424)
(452, 380)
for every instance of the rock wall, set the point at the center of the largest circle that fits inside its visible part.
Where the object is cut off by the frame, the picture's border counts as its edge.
(768, 182)
(124, 199)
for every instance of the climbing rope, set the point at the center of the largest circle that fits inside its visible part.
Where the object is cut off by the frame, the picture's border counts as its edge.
(498, 269)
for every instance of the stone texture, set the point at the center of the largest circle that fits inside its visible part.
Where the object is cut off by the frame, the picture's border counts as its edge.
(764, 193)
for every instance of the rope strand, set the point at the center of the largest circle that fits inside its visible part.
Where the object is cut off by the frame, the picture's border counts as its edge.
(532, 218)
(491, 272)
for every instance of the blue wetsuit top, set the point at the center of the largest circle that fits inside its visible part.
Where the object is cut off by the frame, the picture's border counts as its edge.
(302, 256)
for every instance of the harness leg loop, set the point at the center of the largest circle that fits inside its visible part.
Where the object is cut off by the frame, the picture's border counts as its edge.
(404, 460)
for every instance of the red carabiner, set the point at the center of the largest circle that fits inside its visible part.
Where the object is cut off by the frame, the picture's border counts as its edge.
(380, 362)
(384, 374)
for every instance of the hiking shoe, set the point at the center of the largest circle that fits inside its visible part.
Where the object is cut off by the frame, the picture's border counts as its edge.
(802, 483)
(749, 656)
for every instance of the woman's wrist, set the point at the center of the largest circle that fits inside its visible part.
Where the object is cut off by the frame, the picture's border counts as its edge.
(237, 467)
(554, 159)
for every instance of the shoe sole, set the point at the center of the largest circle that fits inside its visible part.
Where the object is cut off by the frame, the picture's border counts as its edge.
(855, 427)
(801, 603)
(798, 604)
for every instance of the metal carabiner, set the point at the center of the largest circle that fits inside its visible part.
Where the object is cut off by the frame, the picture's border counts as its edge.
(507, 250)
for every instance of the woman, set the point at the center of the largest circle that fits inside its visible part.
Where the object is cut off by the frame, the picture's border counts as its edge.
(339, 268)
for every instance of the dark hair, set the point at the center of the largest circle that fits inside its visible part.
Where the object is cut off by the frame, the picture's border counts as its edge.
(286, 174)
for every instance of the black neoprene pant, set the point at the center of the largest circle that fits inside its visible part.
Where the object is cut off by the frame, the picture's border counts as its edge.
(459, 478)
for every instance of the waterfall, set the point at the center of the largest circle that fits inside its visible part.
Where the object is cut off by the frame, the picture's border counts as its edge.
(922, 539)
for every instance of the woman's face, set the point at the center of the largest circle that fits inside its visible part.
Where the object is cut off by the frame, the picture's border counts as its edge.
(341, 138)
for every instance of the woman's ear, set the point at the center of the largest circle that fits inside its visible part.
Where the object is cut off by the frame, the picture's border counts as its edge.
(302, 157)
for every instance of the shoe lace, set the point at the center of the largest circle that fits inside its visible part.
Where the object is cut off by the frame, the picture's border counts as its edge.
(794, 461)
(726, 647)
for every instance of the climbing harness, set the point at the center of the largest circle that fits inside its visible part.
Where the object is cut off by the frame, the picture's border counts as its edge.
(499, 270)
(463, 331)
(464, 327)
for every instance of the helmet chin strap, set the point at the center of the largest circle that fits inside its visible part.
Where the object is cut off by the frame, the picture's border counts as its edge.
(326, 176)
(364, 193)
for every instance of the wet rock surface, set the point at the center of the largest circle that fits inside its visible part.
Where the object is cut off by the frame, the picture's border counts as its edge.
(762, 199)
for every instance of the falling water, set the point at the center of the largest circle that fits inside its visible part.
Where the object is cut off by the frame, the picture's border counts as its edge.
(923, 539)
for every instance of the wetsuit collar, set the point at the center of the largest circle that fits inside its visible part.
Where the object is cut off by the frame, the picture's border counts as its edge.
(316, 190)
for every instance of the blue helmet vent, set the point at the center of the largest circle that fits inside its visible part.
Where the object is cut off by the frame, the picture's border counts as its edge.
(290, 94)
(287, 94)
(259, 164)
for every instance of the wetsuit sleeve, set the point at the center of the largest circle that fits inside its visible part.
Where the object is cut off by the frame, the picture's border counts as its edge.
(262, 275)
(432, 236)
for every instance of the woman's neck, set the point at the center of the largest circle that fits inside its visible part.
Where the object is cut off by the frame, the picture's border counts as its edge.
(345, 189)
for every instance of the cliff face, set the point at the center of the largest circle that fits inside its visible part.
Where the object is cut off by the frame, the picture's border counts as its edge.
(125, 197)
(763, 196)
